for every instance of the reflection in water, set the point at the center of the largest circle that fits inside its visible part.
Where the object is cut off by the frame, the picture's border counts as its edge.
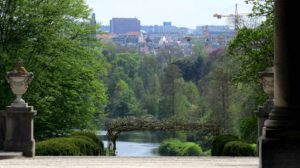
(136, 148)
(136, 143)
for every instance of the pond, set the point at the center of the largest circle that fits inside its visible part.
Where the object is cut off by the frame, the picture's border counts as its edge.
(136, 143)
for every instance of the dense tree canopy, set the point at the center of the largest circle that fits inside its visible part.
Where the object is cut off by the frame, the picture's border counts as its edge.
(54, 38)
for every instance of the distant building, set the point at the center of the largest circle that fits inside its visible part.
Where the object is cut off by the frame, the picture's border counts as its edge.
(167, 23)
(214, 37)
(93, 21)
(124, 25)
(104, 28)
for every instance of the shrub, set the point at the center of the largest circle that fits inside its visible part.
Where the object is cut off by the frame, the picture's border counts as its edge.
(93, 137)
(191, 149)
(248, 129)
(219, 143)
(87, 146)
(71, 146)
(57, 147)
(238, 148)
(170, 147)
(175, 147)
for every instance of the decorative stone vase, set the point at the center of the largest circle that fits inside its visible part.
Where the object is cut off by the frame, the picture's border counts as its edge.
(267, 79)
(19, 79)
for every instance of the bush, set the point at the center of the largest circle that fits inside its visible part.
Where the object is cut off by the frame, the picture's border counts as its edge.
(170, 147)
(71, 146)
(57, 147)
(191, 149)
(87, 146)
(238, 148)
(219, 143)
(91, 136)
(175, 147)
(248, 129)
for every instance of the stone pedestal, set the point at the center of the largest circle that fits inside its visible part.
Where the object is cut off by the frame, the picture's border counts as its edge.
(19, 130)
(2, 130)
(280, 143)
(279, 153)
(262, 115)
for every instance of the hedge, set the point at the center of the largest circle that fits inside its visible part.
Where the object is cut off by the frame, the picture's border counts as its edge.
(238, 148)
(219, 142)
(175, 147)
(93, 137)
(79, 144)
(57, 147)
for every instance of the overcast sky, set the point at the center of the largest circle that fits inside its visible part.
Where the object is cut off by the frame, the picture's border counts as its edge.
(184, 13)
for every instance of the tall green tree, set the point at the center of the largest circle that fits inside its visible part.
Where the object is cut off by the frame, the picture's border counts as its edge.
(123, 102)
(152, 96)
(54, 38)
(167, 104)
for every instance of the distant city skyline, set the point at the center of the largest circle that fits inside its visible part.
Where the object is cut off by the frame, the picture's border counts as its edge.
(182, 13)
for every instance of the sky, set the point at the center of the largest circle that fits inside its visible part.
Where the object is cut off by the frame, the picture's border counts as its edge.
(182, 13)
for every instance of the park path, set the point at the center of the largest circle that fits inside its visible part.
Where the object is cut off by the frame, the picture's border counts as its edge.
(130, 162)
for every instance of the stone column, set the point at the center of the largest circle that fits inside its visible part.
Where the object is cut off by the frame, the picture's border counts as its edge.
(280, 143)
(2, 130)
(19, 130)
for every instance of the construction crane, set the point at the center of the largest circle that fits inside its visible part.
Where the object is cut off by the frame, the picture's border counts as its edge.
(236, 17)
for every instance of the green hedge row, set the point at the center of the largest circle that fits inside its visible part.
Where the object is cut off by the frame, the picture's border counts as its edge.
(219, 142)
(229, 145)
(175, 147)
(79, 144)
(238, 148)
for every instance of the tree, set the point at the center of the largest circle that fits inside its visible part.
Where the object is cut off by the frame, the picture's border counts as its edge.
(138, 88)
(123, 102)
(54, 38)
(167, 103)
(152, 96)
(250, 53)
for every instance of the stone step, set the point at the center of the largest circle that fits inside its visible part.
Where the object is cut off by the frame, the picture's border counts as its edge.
(7, 155)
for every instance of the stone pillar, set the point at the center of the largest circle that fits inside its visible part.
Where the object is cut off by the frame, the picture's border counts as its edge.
(262, 115)
(2, 130)
(280, 143)
(19, 130)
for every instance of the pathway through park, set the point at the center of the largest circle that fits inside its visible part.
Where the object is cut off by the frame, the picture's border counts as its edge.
(130, 162)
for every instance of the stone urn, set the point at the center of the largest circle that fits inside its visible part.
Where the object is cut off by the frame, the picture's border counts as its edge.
(267, 79)
(19, 79)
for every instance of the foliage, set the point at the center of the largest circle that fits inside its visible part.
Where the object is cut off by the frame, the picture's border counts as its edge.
(147, 123)
(219, 143)
(248, 129)
(88, 134)
(191, 149)
(115, 126)
(252, 50)
(91, 136)
(192, 69)
(238, 148)
(57, 147)
(262, 8)
(54, 38)
(173, 147)
(123, 101)
(72, 146)
(203, 138)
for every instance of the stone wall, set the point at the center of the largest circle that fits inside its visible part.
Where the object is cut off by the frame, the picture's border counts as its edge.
(2, 130)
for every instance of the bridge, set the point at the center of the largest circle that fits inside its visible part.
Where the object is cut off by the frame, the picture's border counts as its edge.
(148, 123)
